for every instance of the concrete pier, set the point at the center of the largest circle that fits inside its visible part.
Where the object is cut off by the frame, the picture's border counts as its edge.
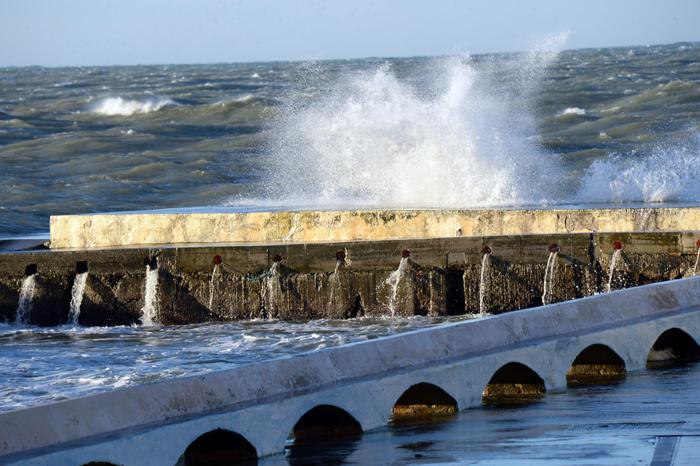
(361, 386)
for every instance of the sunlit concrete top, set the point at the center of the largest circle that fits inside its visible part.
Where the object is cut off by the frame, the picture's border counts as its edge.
(228, 226)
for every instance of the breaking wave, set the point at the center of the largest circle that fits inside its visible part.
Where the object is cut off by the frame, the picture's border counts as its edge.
(113, 106)
(462, 134)
(573, 111)
(462, 138)
(667, 173)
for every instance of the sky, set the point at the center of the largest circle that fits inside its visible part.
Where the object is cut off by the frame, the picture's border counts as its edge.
(125, 32)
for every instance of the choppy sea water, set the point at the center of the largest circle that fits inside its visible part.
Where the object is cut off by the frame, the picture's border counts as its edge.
(41, 365)
(543, 127)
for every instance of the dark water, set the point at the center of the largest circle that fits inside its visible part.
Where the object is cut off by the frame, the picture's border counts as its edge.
(599, 425)
(589, 126)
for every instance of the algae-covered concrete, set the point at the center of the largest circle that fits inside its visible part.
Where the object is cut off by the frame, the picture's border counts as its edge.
(163, 228)
(291, 281)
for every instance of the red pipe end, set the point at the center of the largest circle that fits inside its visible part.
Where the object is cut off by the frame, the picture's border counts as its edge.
(405, 253)
(554, 247)
(485, 249)
(218, 260)
(340, 255)
(617, 245)
(277, 258)
(697, 243)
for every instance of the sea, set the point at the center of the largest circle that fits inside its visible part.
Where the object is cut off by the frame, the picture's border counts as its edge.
(541, 128)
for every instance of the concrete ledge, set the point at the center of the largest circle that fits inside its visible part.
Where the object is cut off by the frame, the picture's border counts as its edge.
(167, 228)
(637, 315)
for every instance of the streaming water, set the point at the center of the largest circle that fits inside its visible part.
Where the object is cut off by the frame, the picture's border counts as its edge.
(212, 285)
(613, 263)
(697, 259)
(149, 312)
(549, 277)
(26, 295)
(484, 282)
(76, 297)
(272, 294)
(394, 281)
(337, 291)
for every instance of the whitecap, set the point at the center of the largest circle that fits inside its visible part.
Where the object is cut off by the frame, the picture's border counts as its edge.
(572, 111)
(125, 107)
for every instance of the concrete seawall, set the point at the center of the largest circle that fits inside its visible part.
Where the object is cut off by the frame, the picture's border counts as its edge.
(154, 424)
(441, 276)
(228, 226)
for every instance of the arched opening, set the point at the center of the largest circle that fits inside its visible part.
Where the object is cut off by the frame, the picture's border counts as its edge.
(324, 435)
(423, 400)
(672, 347)
(513, 383)
(597, 364)
(325, 422)
(218, 448)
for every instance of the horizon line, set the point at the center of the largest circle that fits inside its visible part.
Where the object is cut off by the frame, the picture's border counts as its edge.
(312, 60)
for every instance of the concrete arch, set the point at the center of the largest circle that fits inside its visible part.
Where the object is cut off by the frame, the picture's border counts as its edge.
(219, 447)
(596, 364)
(513, 383)
(323, 422)
(423, 400)
(672, 346)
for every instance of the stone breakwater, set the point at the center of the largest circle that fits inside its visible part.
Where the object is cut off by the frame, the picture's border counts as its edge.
(297, 281)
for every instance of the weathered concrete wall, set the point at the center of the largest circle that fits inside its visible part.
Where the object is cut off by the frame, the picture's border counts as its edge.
(154, 424)
(143, 229)
(338, 280)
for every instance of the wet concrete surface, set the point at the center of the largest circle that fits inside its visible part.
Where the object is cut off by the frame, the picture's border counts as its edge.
(651, 415)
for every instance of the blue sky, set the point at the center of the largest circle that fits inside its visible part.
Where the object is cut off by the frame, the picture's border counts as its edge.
(100, 32)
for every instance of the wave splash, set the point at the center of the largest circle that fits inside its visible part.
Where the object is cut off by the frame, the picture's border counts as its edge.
(667, 173)
(462, 138)
(119, 106)
(466, 139)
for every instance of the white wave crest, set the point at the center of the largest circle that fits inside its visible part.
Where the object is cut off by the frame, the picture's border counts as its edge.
(126, 107)
(573, 111)
(461, 139)
(665, 174)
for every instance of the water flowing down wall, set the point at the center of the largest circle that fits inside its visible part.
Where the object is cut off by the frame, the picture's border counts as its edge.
(339, 280)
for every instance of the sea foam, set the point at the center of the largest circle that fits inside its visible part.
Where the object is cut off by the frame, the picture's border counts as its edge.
(667, 173)
(126, 107)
